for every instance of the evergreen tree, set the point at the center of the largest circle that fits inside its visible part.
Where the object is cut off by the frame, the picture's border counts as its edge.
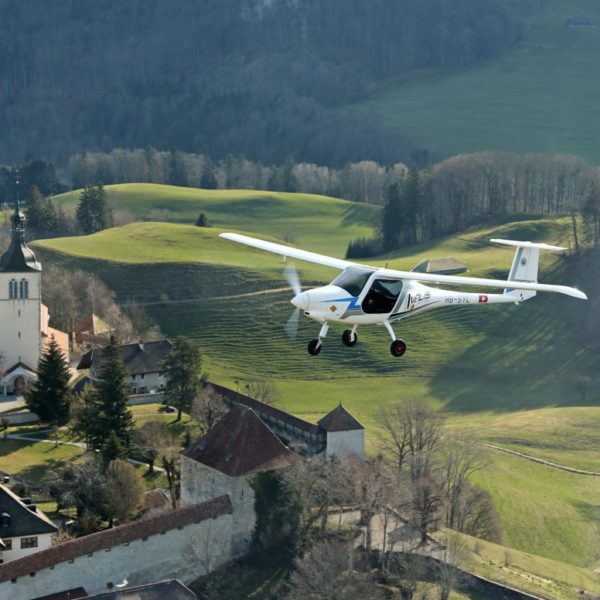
(182, 368)
(49, 397)
(93, 212)
(112, 449)
(591, 215)
(42, 220)
(110, 399)
(391, 217)
(202, 221)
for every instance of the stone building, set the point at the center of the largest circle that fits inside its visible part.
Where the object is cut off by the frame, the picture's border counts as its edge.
(225, 460)
(337, 433)
(24, 328)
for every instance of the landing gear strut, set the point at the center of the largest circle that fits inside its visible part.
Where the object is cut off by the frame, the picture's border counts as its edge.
(398, 347)
(314, 346)
(349, 337)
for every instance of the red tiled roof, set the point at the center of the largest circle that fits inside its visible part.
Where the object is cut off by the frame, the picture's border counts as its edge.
(339, 419)
(240, 444)
(115, 536)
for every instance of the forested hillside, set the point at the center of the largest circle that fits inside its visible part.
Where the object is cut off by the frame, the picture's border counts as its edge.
(263, 78)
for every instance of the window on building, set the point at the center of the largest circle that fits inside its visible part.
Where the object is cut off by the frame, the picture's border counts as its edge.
(24, 288)
(29, 542)
(7, 544)
(12, 289)
(142, 376)
(4, 519)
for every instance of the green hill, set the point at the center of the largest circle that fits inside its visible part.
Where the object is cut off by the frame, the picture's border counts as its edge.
(500, 371)
(308, 219)
(539, 97)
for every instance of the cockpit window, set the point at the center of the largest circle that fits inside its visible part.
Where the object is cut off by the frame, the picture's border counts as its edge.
(353, 280)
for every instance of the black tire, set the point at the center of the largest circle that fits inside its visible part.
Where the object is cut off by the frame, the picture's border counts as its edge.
(349, 338)
(398, 348)
(314, 347)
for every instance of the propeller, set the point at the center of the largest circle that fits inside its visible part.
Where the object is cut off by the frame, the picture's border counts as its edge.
(291, 274)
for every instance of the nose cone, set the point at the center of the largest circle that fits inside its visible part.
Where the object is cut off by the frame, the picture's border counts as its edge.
(301, 301)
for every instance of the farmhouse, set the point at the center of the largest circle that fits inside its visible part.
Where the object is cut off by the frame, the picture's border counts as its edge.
(24, 529)
(143, 361)
(25, 330)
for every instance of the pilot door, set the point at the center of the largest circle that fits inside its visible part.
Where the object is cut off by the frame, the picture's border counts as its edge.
(382, 296)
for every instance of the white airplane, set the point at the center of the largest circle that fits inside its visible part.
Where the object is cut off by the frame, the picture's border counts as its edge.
(363, 295)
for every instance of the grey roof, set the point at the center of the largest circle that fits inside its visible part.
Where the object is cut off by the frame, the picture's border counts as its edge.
(23, 520)
(163, 590)
(145, 357)
(441, 266)
(18, 258)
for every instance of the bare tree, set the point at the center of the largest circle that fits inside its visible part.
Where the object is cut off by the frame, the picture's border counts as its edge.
(208, 408)
(326, 572)
(460, 457)
(149, 439)
(412, 434)
(426, 504)
(453, 556)
(264, 390)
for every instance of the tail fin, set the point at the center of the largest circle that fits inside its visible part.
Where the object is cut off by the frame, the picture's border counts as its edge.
(524, 266)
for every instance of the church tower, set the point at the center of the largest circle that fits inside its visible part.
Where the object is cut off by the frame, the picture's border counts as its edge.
(20, 309)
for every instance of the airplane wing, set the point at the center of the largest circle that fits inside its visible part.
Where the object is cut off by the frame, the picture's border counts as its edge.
(286, 251)
(481, 282)
(338, 263)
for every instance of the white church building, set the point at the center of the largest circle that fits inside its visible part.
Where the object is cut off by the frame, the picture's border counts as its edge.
(24, 329)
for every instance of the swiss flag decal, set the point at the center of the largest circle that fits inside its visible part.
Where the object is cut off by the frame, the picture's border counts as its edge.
(483, 298)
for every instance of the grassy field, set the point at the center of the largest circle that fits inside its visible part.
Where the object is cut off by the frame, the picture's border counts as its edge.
(310, 220)
(510, 374)
(538, 97)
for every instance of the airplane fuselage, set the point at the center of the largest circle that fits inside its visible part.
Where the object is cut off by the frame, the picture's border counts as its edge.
(373, 298)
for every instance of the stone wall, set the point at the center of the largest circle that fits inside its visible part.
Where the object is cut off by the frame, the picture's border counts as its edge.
(200, 483)
(184, 544)
(346, 443)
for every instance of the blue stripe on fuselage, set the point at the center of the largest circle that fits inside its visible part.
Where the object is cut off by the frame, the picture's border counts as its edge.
(352, 302)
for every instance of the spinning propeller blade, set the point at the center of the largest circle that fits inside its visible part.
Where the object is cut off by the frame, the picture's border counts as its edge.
(291, 274)
(291, 327)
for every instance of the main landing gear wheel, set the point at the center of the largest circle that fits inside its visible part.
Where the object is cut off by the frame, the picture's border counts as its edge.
(398, 348)
(314, 347)
(349, 338)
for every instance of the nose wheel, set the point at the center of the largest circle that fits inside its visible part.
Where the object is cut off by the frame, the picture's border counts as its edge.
(314, 346)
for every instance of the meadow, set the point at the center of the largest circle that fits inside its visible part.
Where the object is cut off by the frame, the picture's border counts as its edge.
(508, 374)
(538, 97)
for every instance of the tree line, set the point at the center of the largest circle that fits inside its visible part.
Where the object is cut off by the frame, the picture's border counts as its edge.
(263, 79)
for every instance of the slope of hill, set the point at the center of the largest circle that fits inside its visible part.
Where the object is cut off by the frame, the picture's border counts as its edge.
(320, 221)
(539, 97)
(481, 363)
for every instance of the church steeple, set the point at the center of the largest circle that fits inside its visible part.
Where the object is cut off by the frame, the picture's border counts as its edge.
(19, 258)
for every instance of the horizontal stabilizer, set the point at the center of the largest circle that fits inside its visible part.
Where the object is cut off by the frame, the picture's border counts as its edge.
(519, 244)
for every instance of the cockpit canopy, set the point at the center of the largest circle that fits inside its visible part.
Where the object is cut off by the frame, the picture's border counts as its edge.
(353, 279)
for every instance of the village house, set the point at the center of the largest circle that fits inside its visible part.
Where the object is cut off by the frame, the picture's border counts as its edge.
(25, 331)
(143, 361)
(24, 529)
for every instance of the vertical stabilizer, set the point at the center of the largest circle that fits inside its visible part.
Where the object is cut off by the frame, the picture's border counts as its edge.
(524, 266)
